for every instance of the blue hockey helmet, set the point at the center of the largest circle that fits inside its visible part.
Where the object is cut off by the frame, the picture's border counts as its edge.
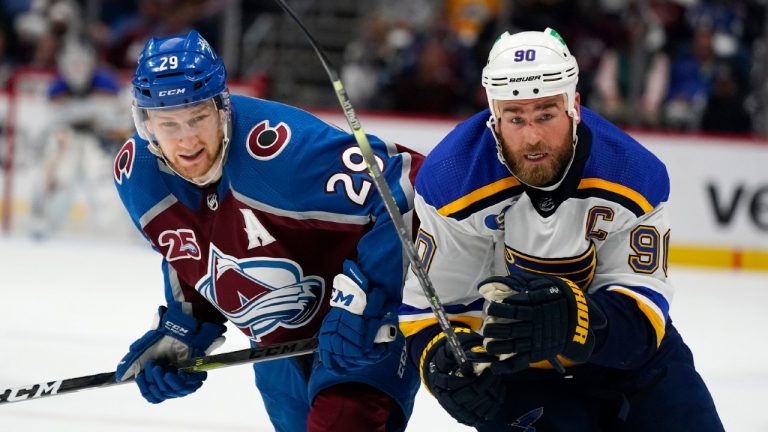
(177, 70)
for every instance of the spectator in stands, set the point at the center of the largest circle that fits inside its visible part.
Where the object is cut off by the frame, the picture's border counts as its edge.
(725, 108)
(369, 61)
(159, 18)
(467, 18)
(437, 73)
(632, 77)
(692, 76)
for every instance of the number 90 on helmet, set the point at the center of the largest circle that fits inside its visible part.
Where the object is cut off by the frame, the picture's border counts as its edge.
(530, 65)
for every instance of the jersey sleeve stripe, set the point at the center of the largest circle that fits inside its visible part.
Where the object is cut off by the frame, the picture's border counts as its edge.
(303, 215)
(413, 320)
(655, 314)
(412, 327)
(477, 195)
(632, 195)
(158, 208)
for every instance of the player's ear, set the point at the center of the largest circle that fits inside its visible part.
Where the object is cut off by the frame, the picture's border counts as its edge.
(497, 114)
(577, 107)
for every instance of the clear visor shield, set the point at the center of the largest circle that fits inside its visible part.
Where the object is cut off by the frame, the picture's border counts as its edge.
(159, 125)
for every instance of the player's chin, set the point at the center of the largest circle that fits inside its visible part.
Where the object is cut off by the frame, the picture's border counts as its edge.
(192, 170)
(537, 175)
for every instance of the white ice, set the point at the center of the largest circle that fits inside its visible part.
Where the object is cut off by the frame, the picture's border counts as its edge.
(71, 308)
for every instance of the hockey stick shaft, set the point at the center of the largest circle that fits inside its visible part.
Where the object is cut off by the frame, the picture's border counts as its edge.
(198, 364)
(386, 195)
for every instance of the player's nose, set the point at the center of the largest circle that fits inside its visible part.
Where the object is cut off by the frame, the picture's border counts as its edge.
(188, 135)
(531, 135)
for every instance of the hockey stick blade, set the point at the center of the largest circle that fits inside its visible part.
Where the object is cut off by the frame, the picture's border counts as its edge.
(198, 364)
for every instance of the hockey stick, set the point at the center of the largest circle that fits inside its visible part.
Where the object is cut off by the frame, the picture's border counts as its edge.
(198, 364)
(386, 196)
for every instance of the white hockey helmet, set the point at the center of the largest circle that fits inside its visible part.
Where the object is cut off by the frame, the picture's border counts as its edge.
(530, 65)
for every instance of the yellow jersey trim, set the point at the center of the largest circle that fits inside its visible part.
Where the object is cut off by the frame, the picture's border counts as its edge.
(634, 196)
(477, 195)
(656, 321)
(412, 327)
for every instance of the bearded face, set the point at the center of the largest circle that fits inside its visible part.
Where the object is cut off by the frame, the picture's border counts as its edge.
(536, 137)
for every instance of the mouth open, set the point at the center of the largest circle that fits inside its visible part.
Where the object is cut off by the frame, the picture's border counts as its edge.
(192, 157)
(533, 157)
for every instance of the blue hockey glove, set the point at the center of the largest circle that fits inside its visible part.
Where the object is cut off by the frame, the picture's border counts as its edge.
(174, 336)
(359, 328)
(158, 382)
(530, 318)
(469, 399)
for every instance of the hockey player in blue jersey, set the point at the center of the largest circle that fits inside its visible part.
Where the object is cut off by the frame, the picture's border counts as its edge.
(544, 230)
(265, 216)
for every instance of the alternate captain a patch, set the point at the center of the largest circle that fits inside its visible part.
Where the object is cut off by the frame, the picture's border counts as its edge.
(260, 295)
(124, 161)
(265, 142)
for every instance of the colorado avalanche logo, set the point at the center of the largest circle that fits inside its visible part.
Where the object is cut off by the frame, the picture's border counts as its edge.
(260, 295)
(124, 161)
(265, 142)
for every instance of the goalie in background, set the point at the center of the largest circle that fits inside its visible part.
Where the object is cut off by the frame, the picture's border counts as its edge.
(265, 217)
(544, 229)
(89, 123)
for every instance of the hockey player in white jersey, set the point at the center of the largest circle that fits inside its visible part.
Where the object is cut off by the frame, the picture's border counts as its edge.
(544, 230)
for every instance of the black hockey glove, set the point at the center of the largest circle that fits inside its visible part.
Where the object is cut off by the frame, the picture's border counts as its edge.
(469, 399)
(533, 317)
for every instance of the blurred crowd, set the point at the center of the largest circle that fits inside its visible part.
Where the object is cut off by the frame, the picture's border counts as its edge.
(677, 64)
(672, 64)
(34, 32)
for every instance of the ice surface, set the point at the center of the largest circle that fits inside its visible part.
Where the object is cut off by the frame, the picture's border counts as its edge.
(71, 308)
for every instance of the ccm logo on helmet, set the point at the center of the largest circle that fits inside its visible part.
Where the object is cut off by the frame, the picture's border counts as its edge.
(171, 92)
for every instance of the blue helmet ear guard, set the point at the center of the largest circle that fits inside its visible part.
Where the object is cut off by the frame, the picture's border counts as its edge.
(177, 70)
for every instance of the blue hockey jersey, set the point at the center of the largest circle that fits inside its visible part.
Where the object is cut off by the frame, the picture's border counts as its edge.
(261, 246)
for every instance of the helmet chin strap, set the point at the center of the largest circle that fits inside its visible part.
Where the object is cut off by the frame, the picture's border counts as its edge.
(491, 124)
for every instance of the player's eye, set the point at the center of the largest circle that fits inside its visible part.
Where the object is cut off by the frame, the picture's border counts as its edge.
(169, 125)
(546, 116)
(197, 120)
(517, 120)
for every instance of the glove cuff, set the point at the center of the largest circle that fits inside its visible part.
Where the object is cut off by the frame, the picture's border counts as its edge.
(201, 337)
(177, 324)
